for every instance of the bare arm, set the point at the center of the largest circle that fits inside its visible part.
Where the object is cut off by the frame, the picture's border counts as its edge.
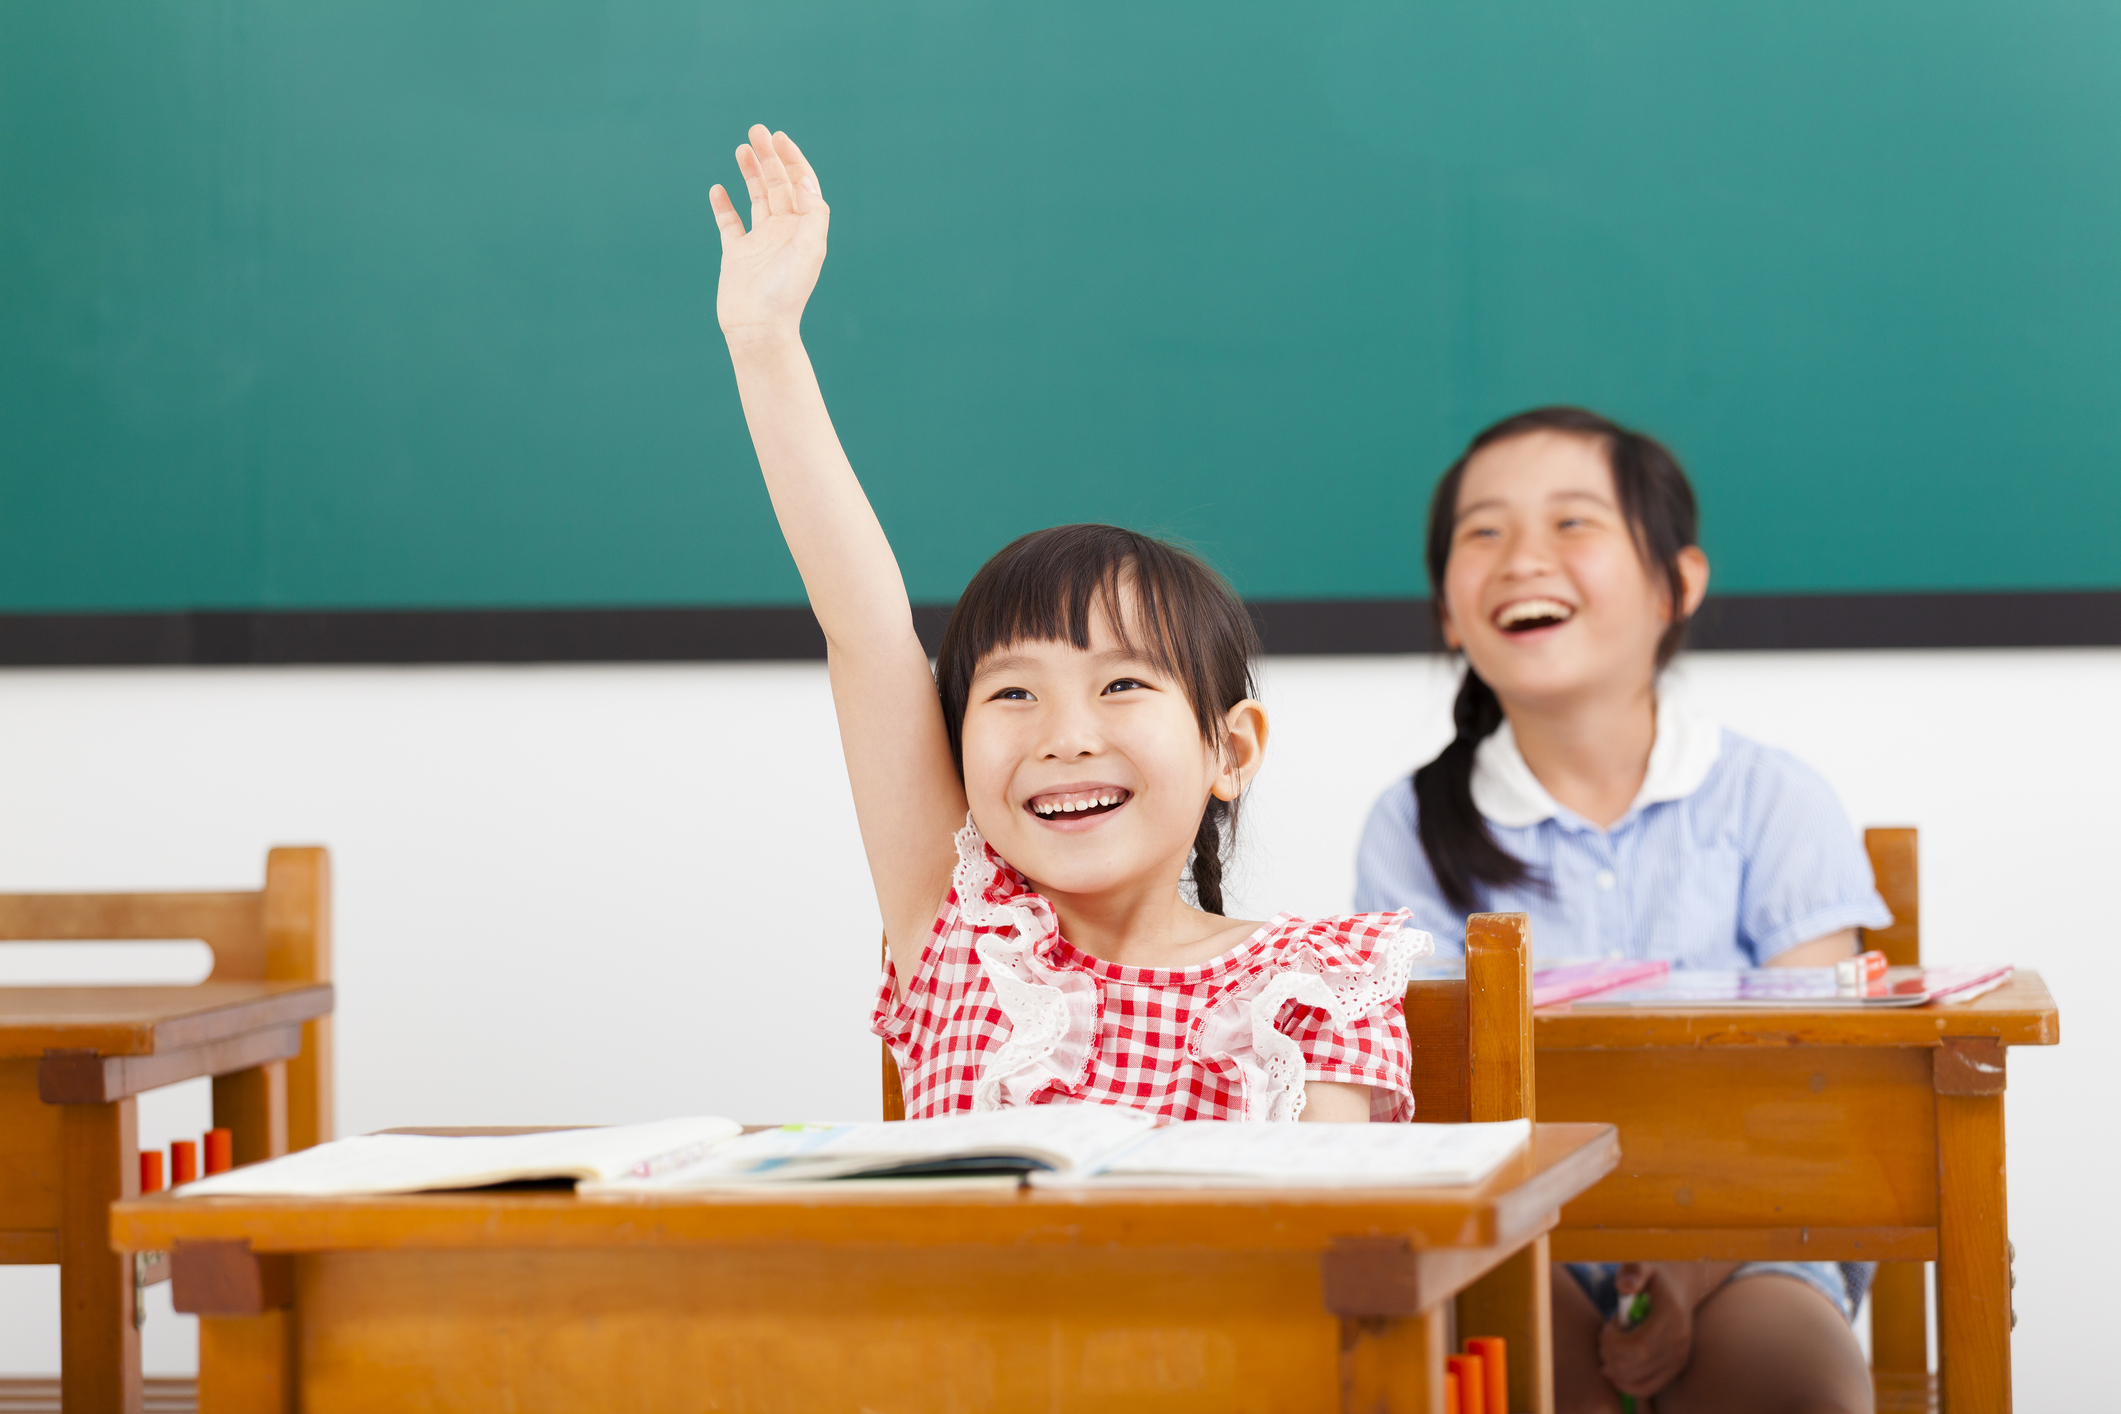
(1822, 951)
(907, 796)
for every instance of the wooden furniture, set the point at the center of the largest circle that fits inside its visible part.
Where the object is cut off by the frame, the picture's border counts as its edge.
(1472, 1060)
(73, 1059)
(980, 1296)
(1900, 1338)
(1821, 1135)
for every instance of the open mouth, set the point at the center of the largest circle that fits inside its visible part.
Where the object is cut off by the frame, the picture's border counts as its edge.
(1078, 804)
(1527, 615)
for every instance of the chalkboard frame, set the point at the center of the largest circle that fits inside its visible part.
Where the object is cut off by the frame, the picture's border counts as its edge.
(2028, 619)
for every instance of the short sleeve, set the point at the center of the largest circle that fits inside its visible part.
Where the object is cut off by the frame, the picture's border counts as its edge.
(1806, 874)
(1392, 872)
(1374, 1050)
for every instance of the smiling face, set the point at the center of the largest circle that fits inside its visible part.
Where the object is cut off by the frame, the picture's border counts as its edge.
(1546, 589)
(1086, 769)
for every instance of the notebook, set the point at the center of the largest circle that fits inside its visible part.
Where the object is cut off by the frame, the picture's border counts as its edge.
(1566, 981)
(417, 1163)
(1806, 987)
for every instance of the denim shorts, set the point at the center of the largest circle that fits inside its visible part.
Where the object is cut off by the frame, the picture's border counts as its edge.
(1842, 1283)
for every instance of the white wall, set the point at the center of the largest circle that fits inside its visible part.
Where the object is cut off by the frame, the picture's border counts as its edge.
(603, 894)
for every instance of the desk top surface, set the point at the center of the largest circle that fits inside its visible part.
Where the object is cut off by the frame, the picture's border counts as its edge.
(1514, 1204)
(2019, 1013)
(142, 1021)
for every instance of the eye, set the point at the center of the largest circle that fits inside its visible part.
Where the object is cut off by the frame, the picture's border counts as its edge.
(1572, 523)
(1013, 694)
(1120, 685)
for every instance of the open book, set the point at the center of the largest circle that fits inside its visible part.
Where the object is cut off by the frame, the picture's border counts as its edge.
(1056, 1144)
(414, 1163)
(1106, 1146)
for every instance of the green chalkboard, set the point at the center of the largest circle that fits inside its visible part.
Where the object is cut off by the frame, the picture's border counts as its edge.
(368, 303)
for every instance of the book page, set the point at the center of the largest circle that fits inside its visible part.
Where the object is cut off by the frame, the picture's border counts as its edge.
(1065, 1138)
(1319, 1155)
(412, 1163)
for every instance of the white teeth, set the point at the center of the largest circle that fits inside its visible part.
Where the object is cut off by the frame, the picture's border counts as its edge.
(1528, 609)
(1048, 809)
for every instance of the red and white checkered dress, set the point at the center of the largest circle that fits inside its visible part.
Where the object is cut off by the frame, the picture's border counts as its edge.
(1004, 1011)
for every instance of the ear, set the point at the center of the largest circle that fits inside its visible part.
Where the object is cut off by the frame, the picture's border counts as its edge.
(1694, 577)
(1244, 748)
(1449, 626)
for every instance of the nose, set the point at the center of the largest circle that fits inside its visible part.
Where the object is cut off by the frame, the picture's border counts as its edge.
(1068, 732)
(1526, 555)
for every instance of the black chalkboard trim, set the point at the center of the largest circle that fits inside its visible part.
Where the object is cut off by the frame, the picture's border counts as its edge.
(2020, 619)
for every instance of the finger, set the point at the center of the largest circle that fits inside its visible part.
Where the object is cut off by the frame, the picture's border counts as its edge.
(780, 192)
(726, 220)
(798, 165)
(1630, 1278)
(747, 162)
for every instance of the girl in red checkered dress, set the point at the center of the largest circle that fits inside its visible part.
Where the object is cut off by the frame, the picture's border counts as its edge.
(1037, 812)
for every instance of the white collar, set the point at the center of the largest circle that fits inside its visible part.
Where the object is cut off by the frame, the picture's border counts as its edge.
(1685, 747)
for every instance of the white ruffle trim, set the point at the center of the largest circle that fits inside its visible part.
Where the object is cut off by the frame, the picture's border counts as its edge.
(1053, 1012)
(1241, 1028)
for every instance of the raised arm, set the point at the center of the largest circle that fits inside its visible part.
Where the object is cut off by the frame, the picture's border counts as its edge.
(907, 796)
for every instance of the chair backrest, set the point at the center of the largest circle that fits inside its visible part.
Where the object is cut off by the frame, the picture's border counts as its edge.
(279, 933)
(1472, 1039)
(1892, 853)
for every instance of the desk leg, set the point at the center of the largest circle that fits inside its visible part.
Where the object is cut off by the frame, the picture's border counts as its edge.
(1393, 1364)
(252, 1104)
(1973, 1257)
(247, 1364)
(99, 1347)
(1516, 1302)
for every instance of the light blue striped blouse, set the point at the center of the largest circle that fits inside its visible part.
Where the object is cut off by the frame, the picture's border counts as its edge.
(1732, 852)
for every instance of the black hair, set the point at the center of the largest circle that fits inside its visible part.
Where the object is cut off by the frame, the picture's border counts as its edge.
(1659, 507)
(1044, 587)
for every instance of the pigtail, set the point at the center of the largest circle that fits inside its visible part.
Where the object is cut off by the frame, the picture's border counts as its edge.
(1462, 853)
(1206, 870)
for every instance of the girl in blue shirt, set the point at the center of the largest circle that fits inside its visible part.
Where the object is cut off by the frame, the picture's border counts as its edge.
(1563, 564)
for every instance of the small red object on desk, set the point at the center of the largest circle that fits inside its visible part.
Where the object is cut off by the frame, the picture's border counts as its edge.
(220, 1151)
(151, 1171)
(183, 1162)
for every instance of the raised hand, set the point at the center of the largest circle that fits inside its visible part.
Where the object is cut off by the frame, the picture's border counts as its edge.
(769, 271)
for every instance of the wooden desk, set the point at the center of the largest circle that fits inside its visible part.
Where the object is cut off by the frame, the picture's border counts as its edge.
(71, 1061)
(881, 1297)
(1795, 1135)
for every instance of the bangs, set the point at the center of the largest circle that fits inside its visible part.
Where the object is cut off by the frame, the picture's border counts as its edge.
(1161, 604)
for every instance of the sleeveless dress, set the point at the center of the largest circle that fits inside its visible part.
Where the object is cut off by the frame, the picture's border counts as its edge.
(1004, 1011)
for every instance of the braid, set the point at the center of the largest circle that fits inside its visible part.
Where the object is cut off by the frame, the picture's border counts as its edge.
(1462, 853)
(1207, 866)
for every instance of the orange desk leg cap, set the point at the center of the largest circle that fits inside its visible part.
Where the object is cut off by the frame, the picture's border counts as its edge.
(1472, 1384)
(151, 1171)
(183, 1161)
(1495, 1364)
(1450, 1392)
(220, 1151)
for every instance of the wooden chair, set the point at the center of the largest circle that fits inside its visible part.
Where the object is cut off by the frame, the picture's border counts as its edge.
(1472, 1044)
(1900, 1354)
(57, 1159)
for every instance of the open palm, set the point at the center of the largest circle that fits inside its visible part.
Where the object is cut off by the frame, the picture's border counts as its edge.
(769, 271)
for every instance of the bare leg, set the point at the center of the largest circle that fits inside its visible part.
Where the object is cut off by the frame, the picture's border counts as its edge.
(1765, 1345)
(1578, 1387)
